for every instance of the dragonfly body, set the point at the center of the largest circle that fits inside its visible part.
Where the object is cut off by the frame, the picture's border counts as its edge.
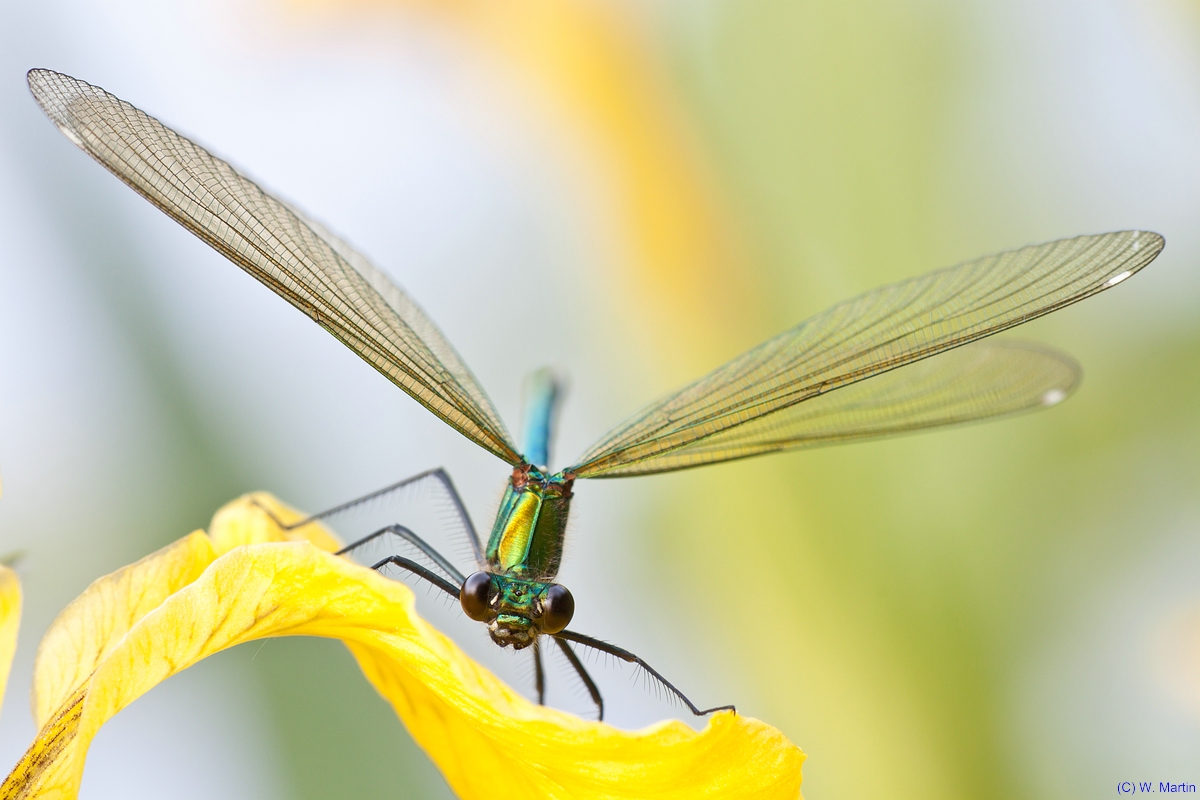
(527, 538)
(523, 555)
(905, 357)
(515, 594)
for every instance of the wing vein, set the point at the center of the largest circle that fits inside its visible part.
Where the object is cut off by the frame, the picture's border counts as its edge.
(294, 256)
(875, 333)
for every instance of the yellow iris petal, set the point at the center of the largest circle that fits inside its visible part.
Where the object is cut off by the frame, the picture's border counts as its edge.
(88, 629)
(10, 620)
(253, 520)
(139, 626)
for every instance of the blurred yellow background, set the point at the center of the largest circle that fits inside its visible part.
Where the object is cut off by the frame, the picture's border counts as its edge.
(634, 193)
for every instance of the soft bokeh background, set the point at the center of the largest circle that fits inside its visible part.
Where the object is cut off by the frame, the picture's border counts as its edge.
(634, 194)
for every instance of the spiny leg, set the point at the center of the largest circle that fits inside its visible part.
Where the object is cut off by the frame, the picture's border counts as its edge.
(625, 655)
(538, 676)
(593, 690)
(421, 572)
(438, 474)
(416, 541)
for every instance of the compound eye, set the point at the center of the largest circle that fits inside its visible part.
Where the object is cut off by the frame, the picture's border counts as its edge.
(474, 595)
(558, 606)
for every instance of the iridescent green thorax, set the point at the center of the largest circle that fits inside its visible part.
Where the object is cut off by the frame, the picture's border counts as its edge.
(527, 537)
(524, 552)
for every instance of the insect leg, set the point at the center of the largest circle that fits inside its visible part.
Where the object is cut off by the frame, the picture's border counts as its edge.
(416, 541)
(461, 510)
(593, 690)
(420, 572)
(625, 655)
(440, 475)
(538, 675)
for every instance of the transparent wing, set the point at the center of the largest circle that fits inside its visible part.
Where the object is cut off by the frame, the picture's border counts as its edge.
(873, 333)
(300, 260)
(974, 382)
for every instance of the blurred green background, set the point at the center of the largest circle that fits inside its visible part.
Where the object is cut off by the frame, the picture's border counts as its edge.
(634, 194)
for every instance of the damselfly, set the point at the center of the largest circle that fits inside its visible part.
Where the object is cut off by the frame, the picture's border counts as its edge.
(861, 369)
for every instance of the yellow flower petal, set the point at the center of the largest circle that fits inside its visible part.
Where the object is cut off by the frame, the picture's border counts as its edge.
(91, 626)
(237, 524)
(87, 629)
(10, 620)
(488, 740)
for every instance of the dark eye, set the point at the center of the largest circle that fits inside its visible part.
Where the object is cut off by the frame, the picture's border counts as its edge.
(557, 608)
(474, 595)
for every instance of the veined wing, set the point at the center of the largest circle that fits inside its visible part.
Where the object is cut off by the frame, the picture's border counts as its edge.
(974, 382)
(300, 260)
(873, 333)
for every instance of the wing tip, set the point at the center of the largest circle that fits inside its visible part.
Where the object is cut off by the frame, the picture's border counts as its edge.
(37, 74)
(1149, 243)
(1157, 239)
(54, 92)
(43, 82)
(38, 80)
(1141, 247)
(64, 99)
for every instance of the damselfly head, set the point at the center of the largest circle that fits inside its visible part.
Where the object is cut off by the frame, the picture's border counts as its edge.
(516, 611)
